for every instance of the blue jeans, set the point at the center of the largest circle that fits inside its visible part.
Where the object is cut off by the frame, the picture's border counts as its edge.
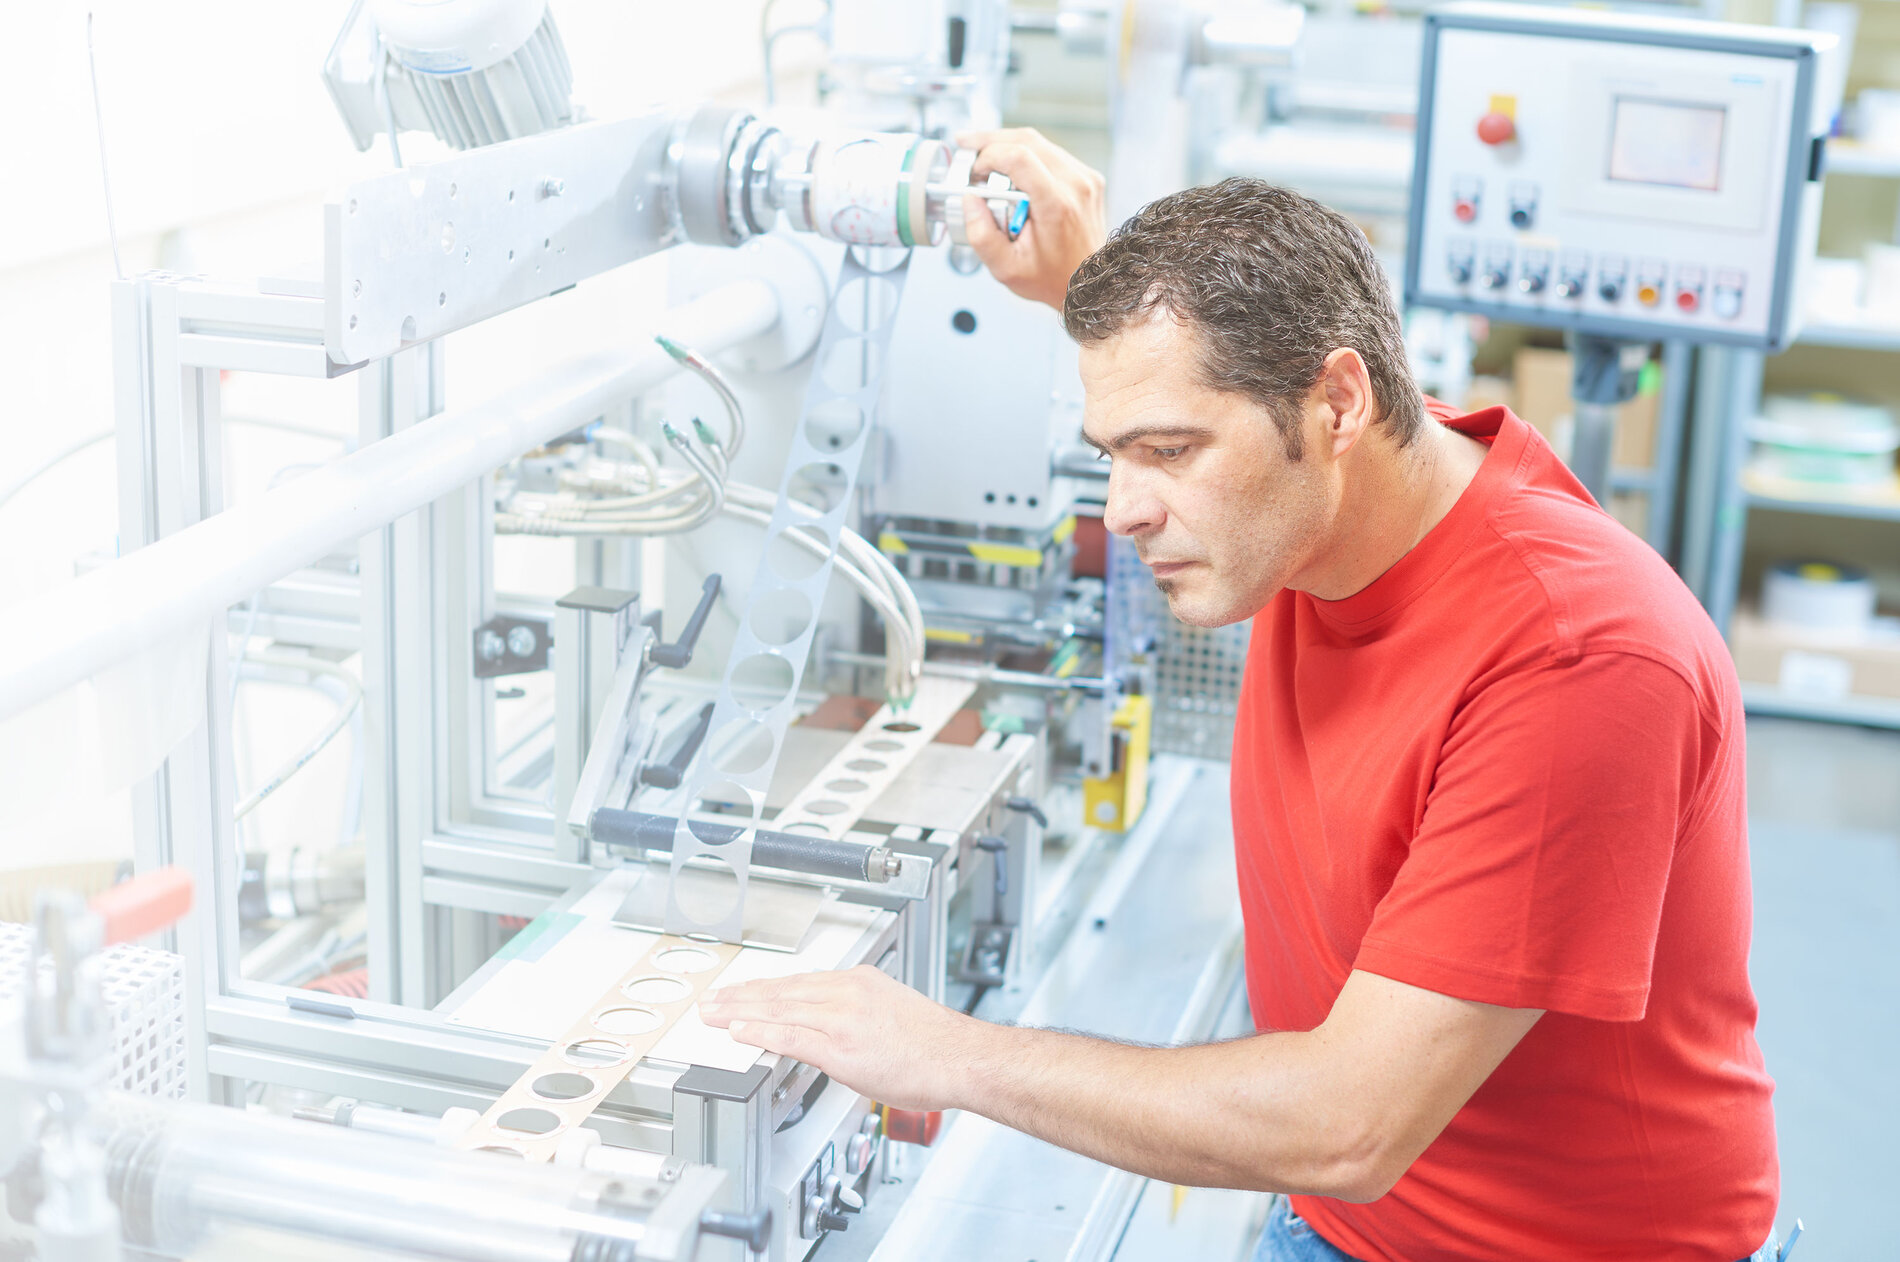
(1290, 1238)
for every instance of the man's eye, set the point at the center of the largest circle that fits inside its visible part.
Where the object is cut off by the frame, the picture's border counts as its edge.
(1168, 453)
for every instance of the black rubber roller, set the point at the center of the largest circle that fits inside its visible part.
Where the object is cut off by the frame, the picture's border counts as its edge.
(813, 856)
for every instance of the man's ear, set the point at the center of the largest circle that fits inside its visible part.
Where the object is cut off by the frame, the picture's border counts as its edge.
(1345, 390)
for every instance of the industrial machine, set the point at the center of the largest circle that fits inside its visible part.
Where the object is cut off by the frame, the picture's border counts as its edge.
(692, 758)
(1549, 141)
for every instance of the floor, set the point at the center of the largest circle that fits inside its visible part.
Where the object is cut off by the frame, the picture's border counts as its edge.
(1824, 815)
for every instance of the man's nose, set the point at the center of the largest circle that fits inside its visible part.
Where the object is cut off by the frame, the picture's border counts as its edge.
(1132, 510)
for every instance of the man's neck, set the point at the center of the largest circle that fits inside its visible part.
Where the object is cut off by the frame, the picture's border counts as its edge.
(1394, 496)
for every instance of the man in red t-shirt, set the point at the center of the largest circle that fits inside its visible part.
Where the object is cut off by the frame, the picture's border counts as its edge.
(1487, 792)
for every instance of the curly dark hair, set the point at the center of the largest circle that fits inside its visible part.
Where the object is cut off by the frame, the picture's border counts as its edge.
(1270, 283)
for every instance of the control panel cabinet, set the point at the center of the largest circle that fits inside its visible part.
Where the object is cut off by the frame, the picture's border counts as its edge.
(1627, 177)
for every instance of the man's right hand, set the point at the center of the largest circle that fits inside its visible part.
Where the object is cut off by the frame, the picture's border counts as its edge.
(1066, 214)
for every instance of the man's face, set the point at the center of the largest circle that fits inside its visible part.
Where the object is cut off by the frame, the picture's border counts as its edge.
(1200, 479)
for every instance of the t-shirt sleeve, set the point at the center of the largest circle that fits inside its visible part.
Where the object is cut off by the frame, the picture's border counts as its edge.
(1537, 874)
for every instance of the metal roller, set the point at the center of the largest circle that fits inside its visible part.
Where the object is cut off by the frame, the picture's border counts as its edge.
(811, 856)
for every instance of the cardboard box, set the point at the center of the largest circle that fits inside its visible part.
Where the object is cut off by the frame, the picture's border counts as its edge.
(1541, 395)
(1766, 653)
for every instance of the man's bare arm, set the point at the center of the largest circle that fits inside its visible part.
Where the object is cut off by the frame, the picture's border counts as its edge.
(1339, 1111)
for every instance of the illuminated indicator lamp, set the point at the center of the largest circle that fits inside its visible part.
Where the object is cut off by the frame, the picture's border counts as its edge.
(1648, 294)
(1728, 302)
(1465, 209)
(1497, 128)
(1688, 300)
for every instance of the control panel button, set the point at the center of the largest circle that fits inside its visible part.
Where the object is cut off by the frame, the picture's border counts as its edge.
(1499, 124)
(1726, 301)
(1651, 277)
(1467, 198)
(1523, 205)
(1460, 262)
(1533, 276)
(1689, 290)
(1612, 277)
(1464, 210)
(1574, 275)
(1496, 273)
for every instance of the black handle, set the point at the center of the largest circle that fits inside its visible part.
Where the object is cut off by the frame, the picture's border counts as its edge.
(998, 850)
(1027, 806)
(667, 775)
(754, 1228)
(677, 654)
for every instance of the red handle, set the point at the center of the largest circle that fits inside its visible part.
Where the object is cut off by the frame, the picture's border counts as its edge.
(144, 904)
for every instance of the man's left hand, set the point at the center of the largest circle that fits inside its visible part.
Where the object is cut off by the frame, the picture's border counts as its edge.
(870, 1032)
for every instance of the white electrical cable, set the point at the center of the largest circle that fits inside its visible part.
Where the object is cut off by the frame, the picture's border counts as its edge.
(353, 689)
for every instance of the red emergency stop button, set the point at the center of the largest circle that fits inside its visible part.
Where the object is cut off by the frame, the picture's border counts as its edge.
(913, 1126)
(1496, 128)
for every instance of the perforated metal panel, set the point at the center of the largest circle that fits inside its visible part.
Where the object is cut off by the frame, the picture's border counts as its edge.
(1197, 685)
(144, 992)
(1195, 672)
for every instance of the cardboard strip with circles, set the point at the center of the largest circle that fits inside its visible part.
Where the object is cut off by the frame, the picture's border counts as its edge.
(837, 797)
(760, 688)
(581, 1068)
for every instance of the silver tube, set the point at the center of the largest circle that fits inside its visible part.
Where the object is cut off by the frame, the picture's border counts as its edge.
(184, 1174)
(982, 674)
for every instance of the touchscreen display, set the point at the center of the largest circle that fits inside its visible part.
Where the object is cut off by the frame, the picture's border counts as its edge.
(1674, 143)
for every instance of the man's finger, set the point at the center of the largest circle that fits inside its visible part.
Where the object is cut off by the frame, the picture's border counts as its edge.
(786, 1040)
(1025, 169)
(990, 242)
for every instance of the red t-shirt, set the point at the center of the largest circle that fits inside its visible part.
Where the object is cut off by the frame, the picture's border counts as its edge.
(1511, 770)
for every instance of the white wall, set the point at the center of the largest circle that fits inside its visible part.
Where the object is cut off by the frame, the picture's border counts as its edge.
(222, 143)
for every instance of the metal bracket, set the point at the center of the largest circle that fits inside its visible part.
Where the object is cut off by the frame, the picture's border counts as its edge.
(511, 646)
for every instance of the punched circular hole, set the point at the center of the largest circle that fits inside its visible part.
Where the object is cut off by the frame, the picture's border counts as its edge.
(902, 727)
(882, 747)
(780, 616)
(851, 365)
(734, 804)
(811, 826)
(713, 893)
(834, 424)
(628, 1021)
(685, 960)
(593, 1053)
(790, 560)
(741, 747)
(825, 806)
(761, 681)
(845, 786)
(562, 1086)
(819, 487)
(866, 304)
(866, 765)
(503, 1149)
(529, 1121)
(656, 990)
